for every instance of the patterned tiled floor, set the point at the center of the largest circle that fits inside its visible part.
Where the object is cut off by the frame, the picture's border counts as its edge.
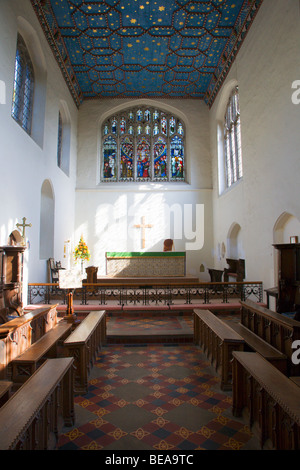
(155, 397)
(158, 324)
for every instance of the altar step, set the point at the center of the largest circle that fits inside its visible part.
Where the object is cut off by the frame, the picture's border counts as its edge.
(155, 329)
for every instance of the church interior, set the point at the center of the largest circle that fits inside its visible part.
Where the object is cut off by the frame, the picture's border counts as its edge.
(149, 226)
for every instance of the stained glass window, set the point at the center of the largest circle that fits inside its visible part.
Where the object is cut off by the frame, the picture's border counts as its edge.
(123, 125)
(114, 126)
(147, 115)
(172, 125)
(155, 115)
(164, 125)
(160, 159)
(177, 158)
(110, 159)
(143, 160)
(155, 129)
(22, 104)
(147, 145)
(232, 140)
(126, 164)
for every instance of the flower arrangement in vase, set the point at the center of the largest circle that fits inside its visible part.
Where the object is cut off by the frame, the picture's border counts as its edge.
(82, 252)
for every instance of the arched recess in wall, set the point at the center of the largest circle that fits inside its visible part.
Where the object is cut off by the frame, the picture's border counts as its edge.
(235, 242)
(47, 221)
(40, 73)
(285, 227)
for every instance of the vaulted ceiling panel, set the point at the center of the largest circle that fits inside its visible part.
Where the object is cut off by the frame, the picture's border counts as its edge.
(145, 48)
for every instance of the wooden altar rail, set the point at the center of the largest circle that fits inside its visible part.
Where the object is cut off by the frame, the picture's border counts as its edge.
(218, 341)
(83, 344)
(276, 329)
(269, 398)
(30, 419)
(155, 295)
(17, 335)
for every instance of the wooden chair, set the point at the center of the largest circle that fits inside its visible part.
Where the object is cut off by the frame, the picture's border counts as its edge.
(53, 270)
(236, 270)
(168, 244)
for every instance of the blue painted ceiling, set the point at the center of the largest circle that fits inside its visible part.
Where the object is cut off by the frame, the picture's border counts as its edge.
(145, 48)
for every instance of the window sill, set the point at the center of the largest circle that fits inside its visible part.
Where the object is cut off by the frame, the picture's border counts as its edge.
(231, 188)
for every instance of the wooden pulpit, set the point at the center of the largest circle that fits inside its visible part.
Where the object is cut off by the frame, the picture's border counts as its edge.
(12, 275)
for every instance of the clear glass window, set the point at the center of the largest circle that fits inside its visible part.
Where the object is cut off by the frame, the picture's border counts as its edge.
(22, 103)
(232, 140)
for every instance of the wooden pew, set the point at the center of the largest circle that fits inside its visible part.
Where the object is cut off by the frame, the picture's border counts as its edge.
(25, 365)
(83, 344)
(218, 341)
(31, 418)
(276, 329)
(18, 334)
(269, 398)
(296, 380)
(257, 344)
(5, 391)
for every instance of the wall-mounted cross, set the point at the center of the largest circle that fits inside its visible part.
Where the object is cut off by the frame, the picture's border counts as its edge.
(23, 225)
(143, 226)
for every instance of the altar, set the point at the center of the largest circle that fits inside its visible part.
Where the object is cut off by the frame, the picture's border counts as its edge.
(141, 264)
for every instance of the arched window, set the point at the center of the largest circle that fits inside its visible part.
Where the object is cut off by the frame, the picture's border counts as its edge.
(232, 140)
(59, 139)
(143, 144)
(63, 138)
(23, 89)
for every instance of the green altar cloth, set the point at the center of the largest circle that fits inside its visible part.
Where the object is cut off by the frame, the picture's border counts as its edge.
(148, 263)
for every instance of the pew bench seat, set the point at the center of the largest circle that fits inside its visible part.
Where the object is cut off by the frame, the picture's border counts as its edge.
(269, 400)
(83, 344)
(35, 414)
(26, 363)
(217, 340)
(271, 354)
(296, 380)
(5, 390)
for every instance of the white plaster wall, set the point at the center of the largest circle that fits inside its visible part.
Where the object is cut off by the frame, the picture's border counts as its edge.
(26, 164)
(106, 219)
(106, 213)
(265, 68)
